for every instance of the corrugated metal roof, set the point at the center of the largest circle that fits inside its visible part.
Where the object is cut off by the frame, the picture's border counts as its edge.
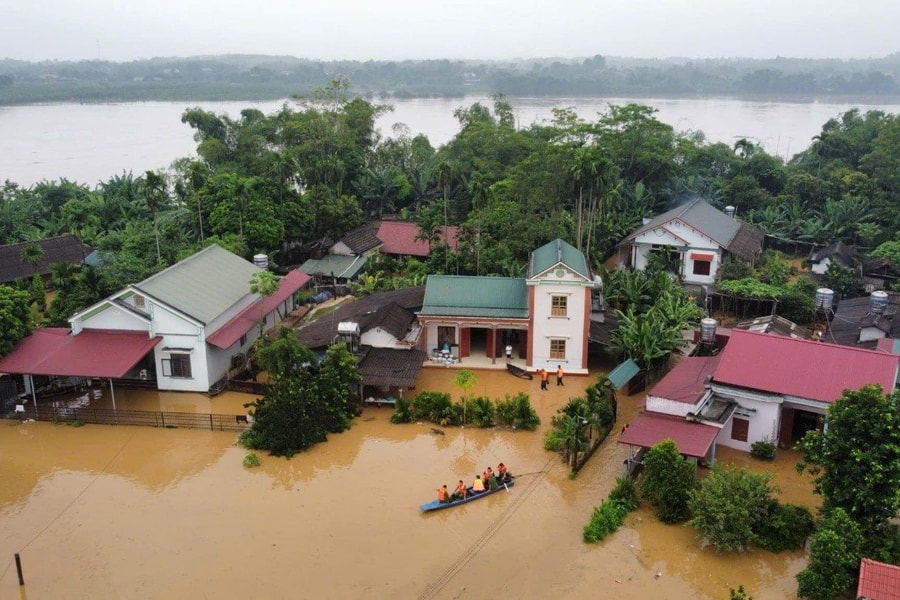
(403, 238)
(91, 353)
(558, 252)
(648, 429)
(878, 581)
(391, 367)
(336, 265)
(801, 368)
(202, 286)
(469, 296)
(249, 318)
(623, 373)
(686, 382)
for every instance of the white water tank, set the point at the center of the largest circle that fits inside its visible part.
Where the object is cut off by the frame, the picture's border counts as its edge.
(708, 330)
(261, 261)
(730, 210)
(878, 301)
(824, 299)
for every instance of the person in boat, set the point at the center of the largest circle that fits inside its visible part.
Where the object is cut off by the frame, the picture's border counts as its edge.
(443, 494)
(489, 478)
(478, 485)
(502, 473)
(460, 493)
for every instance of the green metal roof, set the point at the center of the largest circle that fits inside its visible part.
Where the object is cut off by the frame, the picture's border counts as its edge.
(558, 252)
(623, 373)
(700, 215)
(335, 265)
(467, 296)
(202, 286)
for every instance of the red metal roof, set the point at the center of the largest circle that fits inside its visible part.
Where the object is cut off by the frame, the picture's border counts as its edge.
(91, 353)
(649, 429)
(878, 581)
(399, 237)
(686, 381)
(801, 368)
(248, 318)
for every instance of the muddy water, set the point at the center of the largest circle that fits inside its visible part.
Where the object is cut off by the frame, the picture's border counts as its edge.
(121, 512)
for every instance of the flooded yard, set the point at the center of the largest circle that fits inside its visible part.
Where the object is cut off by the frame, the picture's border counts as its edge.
(127, 512)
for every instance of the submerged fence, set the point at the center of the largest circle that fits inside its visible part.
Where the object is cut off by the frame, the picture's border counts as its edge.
(144, 418)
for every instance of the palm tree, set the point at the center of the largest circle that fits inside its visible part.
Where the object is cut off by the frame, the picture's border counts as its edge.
(32, 253)
(466, 380)
(265, 284)
(154, 194)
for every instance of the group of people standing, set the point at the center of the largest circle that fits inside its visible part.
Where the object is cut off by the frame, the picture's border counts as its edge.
(545, 376)
(489, 480)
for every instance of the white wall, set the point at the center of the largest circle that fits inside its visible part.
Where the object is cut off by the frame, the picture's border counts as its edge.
(571, 327)
(764, 423)
(379, 338)
(111, 317)
(669, 407)
(684, 239)
(820, 267)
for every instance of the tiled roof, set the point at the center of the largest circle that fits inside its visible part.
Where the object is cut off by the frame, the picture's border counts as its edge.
(389, 367)
(878, 581)
(558, 252)
(599, 332)
(404, 238)
(362, 239)
(648, 429)
(851, 314)
(391, 317)
(249, 318)
(63, 248)
(801, 368)
(204, 285)
(321, 332)
(687, 380)
(846, 255)
(91, 353)
(469, 296)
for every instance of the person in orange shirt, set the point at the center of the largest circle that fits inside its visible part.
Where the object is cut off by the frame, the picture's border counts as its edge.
(559, 375)
(502, 474)
(545, 376)
(460, 493)
(442, 494)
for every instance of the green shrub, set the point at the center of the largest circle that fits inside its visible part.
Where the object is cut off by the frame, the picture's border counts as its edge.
(402, 412)
(481, 411)
(763, 449)
(516, 412)
(605, 519)
(251, 460)
(786, 527)
(75, 423)
(625, 492)
(430, 406)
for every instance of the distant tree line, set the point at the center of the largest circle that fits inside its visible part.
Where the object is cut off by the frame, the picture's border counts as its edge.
(249, 77)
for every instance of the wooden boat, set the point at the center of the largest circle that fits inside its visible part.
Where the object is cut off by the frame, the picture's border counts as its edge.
(518, 371)
(470, 496)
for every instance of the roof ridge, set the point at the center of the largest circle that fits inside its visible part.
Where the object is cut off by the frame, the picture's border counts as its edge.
(806, 341)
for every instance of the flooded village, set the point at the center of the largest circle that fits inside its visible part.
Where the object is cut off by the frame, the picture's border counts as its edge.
(108, 511)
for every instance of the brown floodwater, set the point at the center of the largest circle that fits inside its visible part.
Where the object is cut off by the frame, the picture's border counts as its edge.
(127, 512)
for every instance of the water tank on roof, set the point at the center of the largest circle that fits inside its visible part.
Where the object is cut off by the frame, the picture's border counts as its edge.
(824, 299)
(598, 282)
(708, 331)
(348, 333)
(348, 327)
(730, 210)
(261, 261)
(878, 301)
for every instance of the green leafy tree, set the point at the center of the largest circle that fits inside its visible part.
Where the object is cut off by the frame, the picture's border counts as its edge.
(729, 506)
(283, 355)
(667, 482)
(15, 317)
(834, 557)
(855, 461)
(465, 380)
(265, 284)
(337, 384)
(287, 420)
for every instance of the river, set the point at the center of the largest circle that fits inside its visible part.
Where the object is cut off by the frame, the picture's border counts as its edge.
(127, 512)
(90, 143)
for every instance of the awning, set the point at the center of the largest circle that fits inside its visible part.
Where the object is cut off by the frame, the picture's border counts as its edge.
(247, 319)
(623, 373)
(91, 353)
(649, 429)
(702, 256)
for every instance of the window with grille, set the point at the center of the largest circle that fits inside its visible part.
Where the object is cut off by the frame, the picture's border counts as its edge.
(702, 267)
(558, 306)
(557, 349)
(177, 365)
(739, 429)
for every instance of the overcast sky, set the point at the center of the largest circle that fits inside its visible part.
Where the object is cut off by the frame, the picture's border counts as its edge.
(491, 29)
